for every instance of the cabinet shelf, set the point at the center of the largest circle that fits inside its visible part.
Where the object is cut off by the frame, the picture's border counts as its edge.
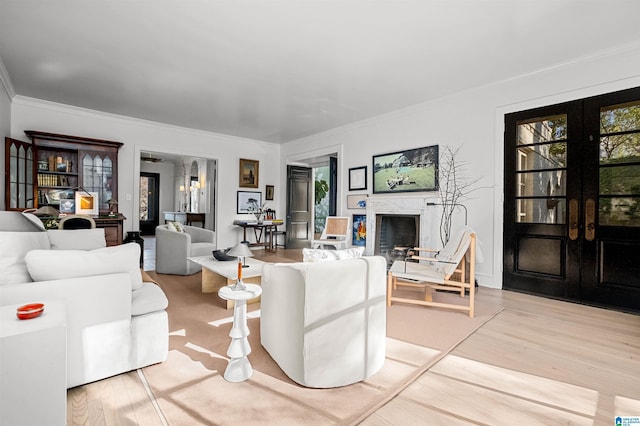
(46, 172)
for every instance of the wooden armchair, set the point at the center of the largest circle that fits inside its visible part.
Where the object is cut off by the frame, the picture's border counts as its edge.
(451, 269)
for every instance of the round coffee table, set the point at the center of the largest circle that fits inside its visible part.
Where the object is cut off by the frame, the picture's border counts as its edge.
(239, 369)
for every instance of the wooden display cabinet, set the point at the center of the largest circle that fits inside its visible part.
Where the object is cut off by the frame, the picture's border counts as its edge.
(51, 168)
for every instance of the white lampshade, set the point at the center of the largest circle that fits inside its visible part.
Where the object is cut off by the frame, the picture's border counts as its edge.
(240, 250)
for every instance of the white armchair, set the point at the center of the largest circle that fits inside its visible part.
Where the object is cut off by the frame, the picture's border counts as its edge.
(324, 323)
(173, 248)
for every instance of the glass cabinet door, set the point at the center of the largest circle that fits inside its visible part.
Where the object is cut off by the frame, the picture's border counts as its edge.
(19, 188)
(97, 175)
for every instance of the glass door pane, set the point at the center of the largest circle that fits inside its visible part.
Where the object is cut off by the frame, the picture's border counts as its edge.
(619, 165)
(541, 165)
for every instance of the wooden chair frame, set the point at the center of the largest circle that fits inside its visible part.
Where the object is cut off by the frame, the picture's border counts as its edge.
(336, 233)
(455, 273)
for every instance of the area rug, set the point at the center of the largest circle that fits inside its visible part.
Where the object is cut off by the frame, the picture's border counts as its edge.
(189, 387)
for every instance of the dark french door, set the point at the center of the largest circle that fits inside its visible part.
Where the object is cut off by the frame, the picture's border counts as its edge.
(149, 202)
(572, 200)
(299, 218)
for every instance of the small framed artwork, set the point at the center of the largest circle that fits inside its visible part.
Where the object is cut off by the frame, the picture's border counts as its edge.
(248, 200)
(268, 192)
(357, 201)
(357, 178)
(67, 205)
(86, 203)
(249, 173)
(359, 236)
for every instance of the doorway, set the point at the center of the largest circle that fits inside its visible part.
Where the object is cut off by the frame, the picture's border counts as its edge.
(572, 200)
(325, 179)
(149, 202)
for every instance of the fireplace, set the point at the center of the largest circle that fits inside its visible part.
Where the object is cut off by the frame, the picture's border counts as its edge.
(396, 230)
(400, 221)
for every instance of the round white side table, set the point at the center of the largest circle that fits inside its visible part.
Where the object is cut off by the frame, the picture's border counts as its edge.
(239, 369)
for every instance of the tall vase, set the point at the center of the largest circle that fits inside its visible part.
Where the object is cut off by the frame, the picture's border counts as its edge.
(134, 237)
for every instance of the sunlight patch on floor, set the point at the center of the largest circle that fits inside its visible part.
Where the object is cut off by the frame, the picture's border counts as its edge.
(627, 406)
(228, 320)
(535, 388)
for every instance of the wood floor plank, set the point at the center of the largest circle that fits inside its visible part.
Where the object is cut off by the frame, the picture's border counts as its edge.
(118, 400)
(526, 386)
(486, 406)
(414, 414)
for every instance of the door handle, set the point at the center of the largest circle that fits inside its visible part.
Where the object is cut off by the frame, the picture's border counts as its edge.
(590, 219)
(573, 219)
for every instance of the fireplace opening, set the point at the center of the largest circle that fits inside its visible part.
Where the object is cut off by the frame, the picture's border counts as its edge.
(396, 230)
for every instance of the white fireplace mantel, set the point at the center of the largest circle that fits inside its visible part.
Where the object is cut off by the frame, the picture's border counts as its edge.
(407, 205)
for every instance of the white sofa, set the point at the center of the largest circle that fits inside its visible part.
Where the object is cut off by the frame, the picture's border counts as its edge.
(324, 323)
(174, 247)
(115, 321)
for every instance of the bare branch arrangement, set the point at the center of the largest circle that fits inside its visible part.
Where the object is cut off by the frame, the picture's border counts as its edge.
(454, 188)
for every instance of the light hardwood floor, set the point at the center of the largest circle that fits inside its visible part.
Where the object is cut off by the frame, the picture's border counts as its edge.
(538, 362)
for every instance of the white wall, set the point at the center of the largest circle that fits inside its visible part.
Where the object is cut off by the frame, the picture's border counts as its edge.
(474, 121)
(139, 135)
(6, 93)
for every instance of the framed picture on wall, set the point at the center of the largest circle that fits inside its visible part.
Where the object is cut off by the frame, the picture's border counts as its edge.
(248, 200)
(249, 173)
(357, 178)
(268, 192)
(357, 201)
(410, 170)
(359, 236)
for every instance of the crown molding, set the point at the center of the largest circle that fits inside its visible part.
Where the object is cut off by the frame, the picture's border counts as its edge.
(96, 114)
(6, 81)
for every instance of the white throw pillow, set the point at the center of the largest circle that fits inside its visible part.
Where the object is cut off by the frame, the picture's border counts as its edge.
(14, 246)
(318, 255)
(44, 265)
(175, 226)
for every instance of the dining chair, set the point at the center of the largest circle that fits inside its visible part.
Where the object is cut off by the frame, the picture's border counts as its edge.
(77, 221)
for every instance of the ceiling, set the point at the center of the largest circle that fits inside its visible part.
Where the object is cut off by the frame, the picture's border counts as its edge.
(279, 70)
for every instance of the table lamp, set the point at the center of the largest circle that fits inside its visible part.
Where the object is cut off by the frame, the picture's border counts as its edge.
(241, 251)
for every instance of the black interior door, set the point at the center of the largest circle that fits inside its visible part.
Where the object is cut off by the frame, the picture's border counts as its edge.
(299, 220)
(611, 247)
(149, 202)
(572, 200)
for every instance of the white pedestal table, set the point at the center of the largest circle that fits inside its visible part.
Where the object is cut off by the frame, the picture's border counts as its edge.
(239, 368)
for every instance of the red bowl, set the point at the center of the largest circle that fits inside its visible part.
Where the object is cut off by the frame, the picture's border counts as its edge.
(29, 311)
